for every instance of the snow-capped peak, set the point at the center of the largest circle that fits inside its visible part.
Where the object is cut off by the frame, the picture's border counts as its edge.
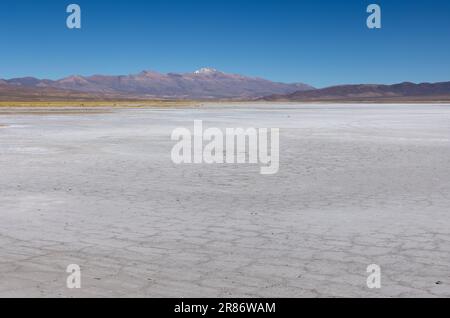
(206, 70)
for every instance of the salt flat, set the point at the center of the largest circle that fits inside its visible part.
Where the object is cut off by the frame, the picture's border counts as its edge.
(358, 185)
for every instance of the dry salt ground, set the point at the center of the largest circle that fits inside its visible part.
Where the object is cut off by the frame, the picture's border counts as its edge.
(358, 185)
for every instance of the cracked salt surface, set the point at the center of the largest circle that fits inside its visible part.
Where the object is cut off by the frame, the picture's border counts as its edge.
(358, 185)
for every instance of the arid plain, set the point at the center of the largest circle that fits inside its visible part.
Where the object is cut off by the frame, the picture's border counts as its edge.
(358, 185)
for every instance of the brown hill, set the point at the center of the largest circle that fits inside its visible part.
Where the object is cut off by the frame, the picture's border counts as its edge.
(375, 93)
(10, 92)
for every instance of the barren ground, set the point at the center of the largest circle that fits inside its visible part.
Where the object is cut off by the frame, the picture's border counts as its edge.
(358, 185)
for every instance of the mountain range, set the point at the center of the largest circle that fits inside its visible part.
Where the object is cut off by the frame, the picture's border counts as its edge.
(210, 84)
(206, 83)
(371, 93)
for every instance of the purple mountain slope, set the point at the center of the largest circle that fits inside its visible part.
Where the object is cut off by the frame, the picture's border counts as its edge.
(203, 84)
(371, 92)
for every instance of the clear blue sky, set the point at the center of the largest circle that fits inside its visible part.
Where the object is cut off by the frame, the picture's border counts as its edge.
(320, 42)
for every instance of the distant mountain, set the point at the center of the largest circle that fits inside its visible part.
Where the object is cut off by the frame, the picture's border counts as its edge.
(209, 83)
(398, 92)
(10, 92)
(206, 83)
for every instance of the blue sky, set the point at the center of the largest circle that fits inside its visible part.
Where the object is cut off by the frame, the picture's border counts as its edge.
(320, 42)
